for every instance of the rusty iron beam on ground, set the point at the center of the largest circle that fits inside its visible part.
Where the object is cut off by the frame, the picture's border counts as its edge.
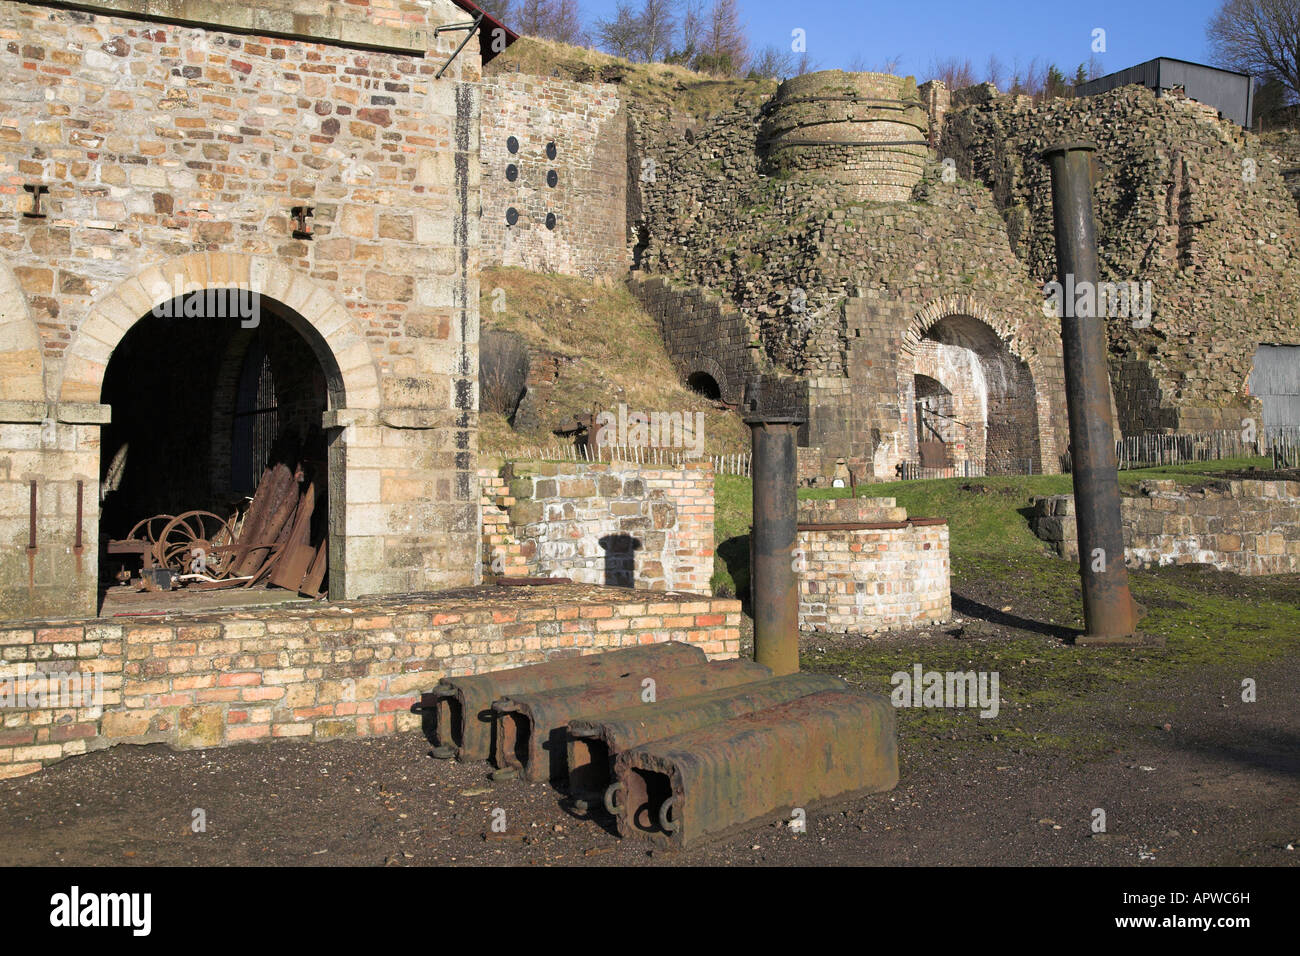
(531, 729)
(462, 706)
(594, 742)
(712, 781)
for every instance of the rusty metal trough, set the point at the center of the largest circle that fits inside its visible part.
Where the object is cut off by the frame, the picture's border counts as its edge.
(530, 733)
(708, 782)
(461, 707)
(594, 742)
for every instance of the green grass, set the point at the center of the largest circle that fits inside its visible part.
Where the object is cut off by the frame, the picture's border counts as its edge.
(1209, 621)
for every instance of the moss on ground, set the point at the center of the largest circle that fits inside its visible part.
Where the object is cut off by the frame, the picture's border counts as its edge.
(1019, 606)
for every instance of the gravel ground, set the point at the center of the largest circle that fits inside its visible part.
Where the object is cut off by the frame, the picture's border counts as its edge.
(1219, 787)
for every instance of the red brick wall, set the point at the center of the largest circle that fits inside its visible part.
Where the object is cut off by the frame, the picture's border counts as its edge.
(321, 672)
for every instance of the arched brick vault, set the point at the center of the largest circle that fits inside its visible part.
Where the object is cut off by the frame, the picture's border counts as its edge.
(331, 331)
(702, 363)
(22, 363)
(1026, 343)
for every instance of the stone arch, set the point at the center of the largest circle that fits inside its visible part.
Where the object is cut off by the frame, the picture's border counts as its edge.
(22, 361)
(704, 365)
(329, 328)
(1015, 376)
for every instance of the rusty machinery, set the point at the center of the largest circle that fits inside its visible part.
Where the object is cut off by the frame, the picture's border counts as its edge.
(715, 746)
(1109, 611)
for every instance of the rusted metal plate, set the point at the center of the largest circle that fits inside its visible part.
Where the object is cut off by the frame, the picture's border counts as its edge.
(709, 782)
(462, 706)
(531, 729)
(593, 742)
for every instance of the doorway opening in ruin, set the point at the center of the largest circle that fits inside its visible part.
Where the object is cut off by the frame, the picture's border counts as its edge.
(215, 467)
(702, 383)
(974, 400)
(938, 430)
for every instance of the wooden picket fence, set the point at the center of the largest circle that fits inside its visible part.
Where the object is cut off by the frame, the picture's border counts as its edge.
(735, 464)
(1150, 450)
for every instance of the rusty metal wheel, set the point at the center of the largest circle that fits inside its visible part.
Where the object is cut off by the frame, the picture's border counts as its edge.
(196, 542)
(149, 528)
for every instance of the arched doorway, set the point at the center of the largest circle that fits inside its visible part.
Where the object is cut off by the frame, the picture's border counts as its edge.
(982, 403)
(702, 383)
(213, 393)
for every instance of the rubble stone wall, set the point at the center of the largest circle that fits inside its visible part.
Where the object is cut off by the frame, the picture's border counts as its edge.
(1247, 527)
(614, 524)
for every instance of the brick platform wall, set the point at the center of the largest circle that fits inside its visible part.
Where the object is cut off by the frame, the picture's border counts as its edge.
(1247, 527)
(887, 572)
(601, 523)
(213, 680)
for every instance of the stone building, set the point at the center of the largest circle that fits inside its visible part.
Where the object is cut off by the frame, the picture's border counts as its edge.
(887, 247)
(224, 226)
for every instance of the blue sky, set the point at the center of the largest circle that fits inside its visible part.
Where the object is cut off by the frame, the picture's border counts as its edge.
(925, 30)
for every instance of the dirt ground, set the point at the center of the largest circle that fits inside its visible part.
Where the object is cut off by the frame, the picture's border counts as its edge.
(1218, 787)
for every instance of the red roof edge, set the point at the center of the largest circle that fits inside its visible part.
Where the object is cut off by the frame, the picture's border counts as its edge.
(485, 28)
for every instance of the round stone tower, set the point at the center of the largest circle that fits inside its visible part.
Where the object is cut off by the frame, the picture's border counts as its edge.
(865, 132)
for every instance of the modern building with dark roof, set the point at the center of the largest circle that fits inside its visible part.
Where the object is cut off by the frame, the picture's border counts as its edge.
(1231, 93)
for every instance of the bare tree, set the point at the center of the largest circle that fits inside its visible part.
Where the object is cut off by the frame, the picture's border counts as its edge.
(953, 73)
(724, 48)
(549, 19)
(566, 23)
(619, 35)
(890, 65)
(1261, 37)
(690, 31)
(657, 24)
(995, 72)
(772, 63)
(531, 16)
(503, 10)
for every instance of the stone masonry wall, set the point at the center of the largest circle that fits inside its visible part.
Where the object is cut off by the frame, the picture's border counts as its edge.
(1189, 202)
(887, 572)
(818, 277)
(588, 128)
(172, 155)
(1247, 527)
(615, 524)
(209, 680)
(702, 335)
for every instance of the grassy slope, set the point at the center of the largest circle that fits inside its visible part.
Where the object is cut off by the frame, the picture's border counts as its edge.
(617, 356)
(1210, 622)
(654, 87)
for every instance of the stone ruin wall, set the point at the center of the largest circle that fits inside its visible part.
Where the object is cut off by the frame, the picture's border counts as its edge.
(838, 291)
(615, 524)
(219, 679)
(1185, 200)
(1248, 526)
(884, 571)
